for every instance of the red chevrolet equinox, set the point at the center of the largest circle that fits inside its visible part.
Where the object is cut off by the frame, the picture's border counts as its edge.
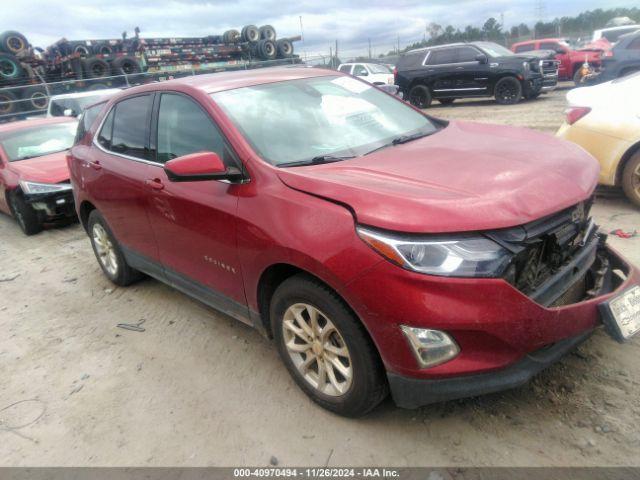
(382, 249)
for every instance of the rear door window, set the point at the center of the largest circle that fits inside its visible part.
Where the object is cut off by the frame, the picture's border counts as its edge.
(345, 68)
(442, 56)
(524, 48)
(549, 45)
(131, 127)
(410, 61)
(467, 54)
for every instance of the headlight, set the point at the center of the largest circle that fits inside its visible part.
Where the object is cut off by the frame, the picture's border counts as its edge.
(35, 188)
(526, 65)
(459, 256)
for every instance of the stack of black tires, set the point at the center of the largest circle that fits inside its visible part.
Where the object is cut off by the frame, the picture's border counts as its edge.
(179, 54)
(13, 73)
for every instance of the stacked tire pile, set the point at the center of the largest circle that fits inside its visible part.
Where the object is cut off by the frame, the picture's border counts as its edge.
(175, 54)
(101, 60)
(14, 47)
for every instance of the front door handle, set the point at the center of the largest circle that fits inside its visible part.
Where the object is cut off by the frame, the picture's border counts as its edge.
(156, 183)
(95, 165)
(459, 68)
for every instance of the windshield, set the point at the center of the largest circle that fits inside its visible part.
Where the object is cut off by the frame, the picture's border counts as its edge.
(494, 50)
(375, 68)
(299, 120)
(38, 141)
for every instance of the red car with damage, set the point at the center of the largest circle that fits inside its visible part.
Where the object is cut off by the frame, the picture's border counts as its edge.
(571, 61)
(382, 249)
(34, 177)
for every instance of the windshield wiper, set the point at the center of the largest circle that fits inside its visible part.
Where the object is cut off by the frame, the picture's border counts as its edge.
(399, 140)
(317, 160)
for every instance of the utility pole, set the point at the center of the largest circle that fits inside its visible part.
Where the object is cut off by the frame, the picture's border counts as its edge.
(398, 44)
(336, 49)
(330, 55)
(369, 47)
(302, 38)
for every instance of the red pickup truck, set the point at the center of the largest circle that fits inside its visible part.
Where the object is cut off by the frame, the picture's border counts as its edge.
(570, 60)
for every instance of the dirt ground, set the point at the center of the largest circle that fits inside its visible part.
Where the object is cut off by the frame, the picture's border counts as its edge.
(198, 388)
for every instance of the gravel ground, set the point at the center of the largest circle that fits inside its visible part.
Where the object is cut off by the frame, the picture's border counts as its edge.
(197, 388)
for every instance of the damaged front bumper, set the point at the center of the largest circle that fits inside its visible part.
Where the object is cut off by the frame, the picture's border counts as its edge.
(52, 206)
(611, 275)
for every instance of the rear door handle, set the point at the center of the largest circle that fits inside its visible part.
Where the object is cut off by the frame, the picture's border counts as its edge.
(156, 183)
(459, 68)
(95, 165)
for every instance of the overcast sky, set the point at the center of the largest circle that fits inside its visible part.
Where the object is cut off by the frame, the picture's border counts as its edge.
(352, 23)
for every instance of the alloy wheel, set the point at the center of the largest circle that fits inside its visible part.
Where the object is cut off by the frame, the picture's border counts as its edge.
(635, 180)
(317, 349)
(507, 91)
(105, 249)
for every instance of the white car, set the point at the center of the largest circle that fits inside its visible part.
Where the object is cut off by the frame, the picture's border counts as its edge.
(617, 95)
(612, 34)
(373, 73)
(72, 104)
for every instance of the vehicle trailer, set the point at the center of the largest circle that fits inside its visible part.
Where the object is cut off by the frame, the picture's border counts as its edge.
(30, 76)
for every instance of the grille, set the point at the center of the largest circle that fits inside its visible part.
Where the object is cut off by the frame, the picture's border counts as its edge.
(543, 247)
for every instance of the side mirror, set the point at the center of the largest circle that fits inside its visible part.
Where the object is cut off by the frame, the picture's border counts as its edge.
(482, 58)
(560, 50)
(198, 167)
(69, 112)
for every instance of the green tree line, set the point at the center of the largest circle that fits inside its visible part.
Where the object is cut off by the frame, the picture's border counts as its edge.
(492, 30)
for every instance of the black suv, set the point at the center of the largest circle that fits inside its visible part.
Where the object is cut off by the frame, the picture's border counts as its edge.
(462, 70)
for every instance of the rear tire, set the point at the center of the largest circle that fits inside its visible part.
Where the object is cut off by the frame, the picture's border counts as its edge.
(420, 96)
(508, 91)
(267, 32)
(28, 219)
(13, 42)
(125, 66)
(10, 68)
(95, 67)
(267, 50)
(35, 98)
(9, 103)
(335, 363)
(108, 252)
(631, 179)
(250, 33)
(285, 48)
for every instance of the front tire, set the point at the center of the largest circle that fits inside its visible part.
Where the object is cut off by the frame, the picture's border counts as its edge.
(28, 219)
(508, 91)
(325, 348)
(420, 96)
(108, 252)
(631, 179)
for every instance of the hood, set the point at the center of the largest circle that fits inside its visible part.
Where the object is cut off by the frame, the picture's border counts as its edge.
(467, 177)
(50, 168)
